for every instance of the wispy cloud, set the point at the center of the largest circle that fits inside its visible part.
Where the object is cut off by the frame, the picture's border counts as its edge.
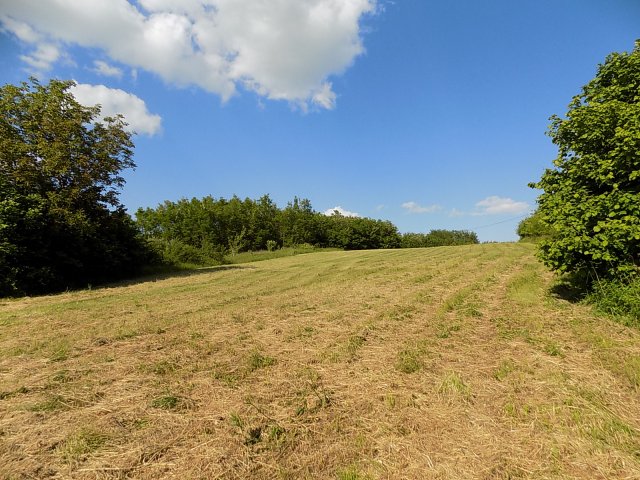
(495, 205)
(345, 213)
(43, 57)
(103, 68)
(413, 207)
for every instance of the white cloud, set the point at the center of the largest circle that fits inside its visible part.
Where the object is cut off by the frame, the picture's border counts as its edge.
(495, 205)
(341, 211)
(20, 29)
(413, 207)
(44, 56)
(281, 49)
(115, 101)
(103, 68)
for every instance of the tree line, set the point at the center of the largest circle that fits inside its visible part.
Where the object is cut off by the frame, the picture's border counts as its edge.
(62, 224)
(200, 231)
(203, 230)
(438, 238)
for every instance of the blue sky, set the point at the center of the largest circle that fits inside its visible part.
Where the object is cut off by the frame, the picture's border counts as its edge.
(431, 114)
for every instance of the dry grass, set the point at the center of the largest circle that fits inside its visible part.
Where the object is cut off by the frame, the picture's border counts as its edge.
(437, 363)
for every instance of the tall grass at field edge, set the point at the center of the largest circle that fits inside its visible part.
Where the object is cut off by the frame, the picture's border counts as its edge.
(618, 298)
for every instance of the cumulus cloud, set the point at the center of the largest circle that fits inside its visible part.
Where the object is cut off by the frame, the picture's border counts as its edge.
(115, 101)
(103, 68)
(280, 49)
(341, 211)
(495, 205)
(413, 207)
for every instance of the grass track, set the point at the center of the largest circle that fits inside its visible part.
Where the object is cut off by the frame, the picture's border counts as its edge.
(451, 362)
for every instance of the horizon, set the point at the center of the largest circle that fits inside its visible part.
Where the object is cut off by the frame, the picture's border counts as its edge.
(431, 115)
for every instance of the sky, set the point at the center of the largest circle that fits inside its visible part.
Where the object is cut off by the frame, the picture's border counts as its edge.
(430, 114)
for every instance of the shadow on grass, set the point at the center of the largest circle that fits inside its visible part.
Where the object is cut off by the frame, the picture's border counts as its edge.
(571, 288)
(151, 274)
(165, 272)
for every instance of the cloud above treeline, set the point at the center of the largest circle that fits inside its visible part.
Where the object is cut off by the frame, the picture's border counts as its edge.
(492, 205)
(114, 101)
(495, 205)
(280, 49)
(345, 213)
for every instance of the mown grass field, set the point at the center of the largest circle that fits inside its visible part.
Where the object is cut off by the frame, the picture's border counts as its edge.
(452, 362)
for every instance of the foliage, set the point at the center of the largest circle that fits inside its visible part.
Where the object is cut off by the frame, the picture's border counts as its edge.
(233, 224)
(439, 238)
(355, 233)
(619, 298)
(177, 253)
(533, 228)
(271, 245)
(300, 224)
(61, 224)
(591, 199)
(202, 226)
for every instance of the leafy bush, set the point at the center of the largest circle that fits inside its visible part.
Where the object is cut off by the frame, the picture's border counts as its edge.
(176, 252)
(271, 245)
(591, 199)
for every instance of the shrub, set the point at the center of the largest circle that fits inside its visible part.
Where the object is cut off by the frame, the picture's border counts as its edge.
(591, 199)
(176, 252)
(271, 245)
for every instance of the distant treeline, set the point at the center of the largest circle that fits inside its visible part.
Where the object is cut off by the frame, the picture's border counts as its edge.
(438, 238)
(201, 231)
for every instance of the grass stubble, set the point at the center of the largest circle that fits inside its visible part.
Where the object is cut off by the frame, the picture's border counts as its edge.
(451, 362)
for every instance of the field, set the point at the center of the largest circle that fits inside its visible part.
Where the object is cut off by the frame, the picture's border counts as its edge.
(441, 363)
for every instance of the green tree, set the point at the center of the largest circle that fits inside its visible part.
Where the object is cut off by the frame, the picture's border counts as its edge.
(264, 223)
(300, 224)
(591, 199)
(439, 238)
(357, 233)
(534, 229)
(61, 224)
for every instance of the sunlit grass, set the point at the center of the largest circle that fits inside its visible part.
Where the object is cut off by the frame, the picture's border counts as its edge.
(421, 363)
